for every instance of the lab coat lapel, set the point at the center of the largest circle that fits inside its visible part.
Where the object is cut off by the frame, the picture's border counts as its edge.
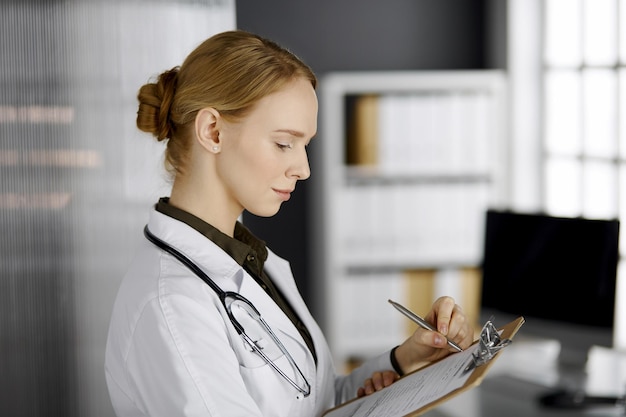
(269, 310)
(279, 271)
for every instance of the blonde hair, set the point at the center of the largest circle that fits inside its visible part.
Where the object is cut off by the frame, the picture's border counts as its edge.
(230, 72)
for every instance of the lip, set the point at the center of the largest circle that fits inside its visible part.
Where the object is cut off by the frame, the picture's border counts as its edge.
(285, 195)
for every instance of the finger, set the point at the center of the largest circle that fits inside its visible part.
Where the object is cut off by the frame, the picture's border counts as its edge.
(368, 386)
(461, 330)
(430, 339)
(389, 377)
(377, 381)
(443, 309)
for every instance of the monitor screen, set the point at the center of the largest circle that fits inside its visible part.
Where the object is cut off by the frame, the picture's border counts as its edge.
(551, 268)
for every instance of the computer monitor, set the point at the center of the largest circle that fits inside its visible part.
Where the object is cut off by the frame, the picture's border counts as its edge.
(559, 273)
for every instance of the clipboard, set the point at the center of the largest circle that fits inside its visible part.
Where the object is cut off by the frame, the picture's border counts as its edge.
(425, 388)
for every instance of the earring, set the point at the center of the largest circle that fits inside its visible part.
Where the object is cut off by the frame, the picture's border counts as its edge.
(216, 148)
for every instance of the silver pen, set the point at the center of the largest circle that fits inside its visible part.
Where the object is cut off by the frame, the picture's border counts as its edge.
(417, 319)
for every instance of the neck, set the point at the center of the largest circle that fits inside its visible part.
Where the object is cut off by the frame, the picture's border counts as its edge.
(208, 205)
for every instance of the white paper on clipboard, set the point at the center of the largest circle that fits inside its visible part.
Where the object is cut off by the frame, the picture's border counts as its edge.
(423, 389)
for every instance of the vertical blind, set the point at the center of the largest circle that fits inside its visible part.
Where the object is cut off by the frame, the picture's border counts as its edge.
(76, 182)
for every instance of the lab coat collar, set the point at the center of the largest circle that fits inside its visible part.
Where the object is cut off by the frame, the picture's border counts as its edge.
(209, 257)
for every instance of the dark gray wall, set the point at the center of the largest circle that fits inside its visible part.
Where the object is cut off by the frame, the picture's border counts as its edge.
(335, 35)
(338, 35)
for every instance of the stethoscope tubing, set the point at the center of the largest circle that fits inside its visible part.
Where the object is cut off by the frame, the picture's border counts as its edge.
(222, 295)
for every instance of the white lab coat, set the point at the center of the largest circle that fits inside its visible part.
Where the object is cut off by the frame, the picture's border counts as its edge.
(172, 350)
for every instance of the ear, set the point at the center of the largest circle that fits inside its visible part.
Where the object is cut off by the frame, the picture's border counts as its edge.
(207, 133)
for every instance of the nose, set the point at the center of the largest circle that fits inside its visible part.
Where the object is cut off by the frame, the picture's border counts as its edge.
(300, 168)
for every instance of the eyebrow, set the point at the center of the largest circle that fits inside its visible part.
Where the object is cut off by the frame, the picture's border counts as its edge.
(291, 132)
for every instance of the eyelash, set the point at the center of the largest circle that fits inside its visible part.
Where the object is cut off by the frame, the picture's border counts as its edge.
(283, 146)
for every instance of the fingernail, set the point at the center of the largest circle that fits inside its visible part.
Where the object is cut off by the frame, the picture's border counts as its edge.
(439, 340)
(443, 329)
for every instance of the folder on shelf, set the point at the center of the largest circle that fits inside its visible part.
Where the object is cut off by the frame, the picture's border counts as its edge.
(362, 146)
(426, 388)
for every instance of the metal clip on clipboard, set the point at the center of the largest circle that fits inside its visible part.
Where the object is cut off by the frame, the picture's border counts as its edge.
(489, 344)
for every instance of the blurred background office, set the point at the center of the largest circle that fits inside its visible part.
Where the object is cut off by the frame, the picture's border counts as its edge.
(77, 178)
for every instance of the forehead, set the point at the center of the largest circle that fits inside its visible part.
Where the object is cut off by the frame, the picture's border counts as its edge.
(292, 108)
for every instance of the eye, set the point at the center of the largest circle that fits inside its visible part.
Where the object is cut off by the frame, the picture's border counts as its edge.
(283, 146)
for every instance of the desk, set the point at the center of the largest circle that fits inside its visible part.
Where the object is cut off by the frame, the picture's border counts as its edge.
(531, 367)
(506, 396)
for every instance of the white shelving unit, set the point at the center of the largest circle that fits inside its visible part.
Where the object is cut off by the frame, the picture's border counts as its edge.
(441, 160)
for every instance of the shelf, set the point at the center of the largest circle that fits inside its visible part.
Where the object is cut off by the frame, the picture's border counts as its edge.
(365, 268)
(359, 175)
(410, 161)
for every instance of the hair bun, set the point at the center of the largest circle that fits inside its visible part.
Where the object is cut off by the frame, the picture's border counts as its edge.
(155, 101)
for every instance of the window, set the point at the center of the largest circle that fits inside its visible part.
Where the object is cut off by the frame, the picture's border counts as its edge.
(584, 114)
(581, 77)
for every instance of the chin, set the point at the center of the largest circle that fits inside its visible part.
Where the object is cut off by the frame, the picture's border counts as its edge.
(267, 212)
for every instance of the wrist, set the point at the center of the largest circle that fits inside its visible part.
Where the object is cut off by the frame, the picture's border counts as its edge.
(394, 362)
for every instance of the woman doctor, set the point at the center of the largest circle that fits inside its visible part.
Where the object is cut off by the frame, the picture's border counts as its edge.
(185, 338)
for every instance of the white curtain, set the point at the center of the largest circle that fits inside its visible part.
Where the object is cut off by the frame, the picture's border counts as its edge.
(76, 181)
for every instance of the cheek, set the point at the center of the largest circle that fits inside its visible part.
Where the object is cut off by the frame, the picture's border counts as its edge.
(254, 172)
(261, 164)
(251, 166)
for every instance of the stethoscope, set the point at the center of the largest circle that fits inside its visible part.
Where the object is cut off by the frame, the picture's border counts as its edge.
(228, 299)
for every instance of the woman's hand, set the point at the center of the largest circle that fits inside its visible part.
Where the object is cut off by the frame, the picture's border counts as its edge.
(426, 346)
(378, 381)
